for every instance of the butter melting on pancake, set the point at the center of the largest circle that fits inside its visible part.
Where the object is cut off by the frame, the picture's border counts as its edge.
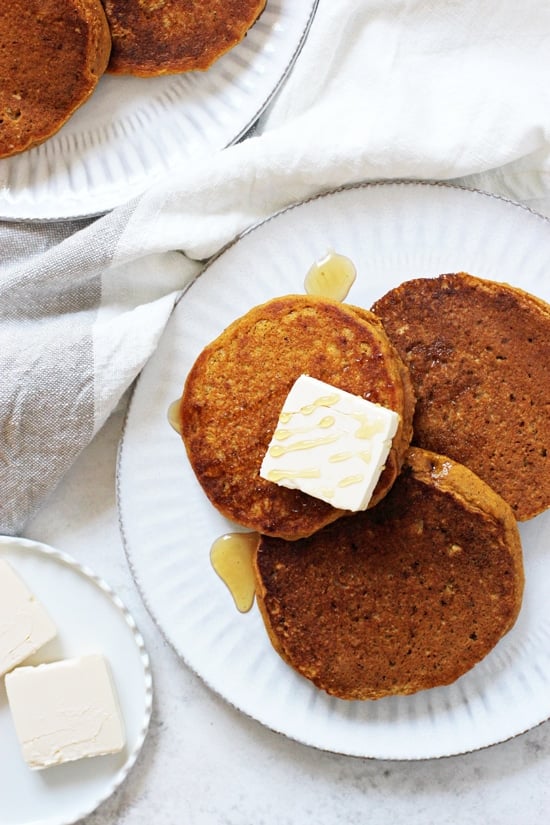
(236, 389)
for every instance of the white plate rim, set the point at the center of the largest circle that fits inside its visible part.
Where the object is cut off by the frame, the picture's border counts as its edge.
(49, 552)
(16, 215)
(367, 184)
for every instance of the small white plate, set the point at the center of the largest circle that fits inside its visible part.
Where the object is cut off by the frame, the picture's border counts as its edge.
(90, 619)
(392, 232)
(133, 130)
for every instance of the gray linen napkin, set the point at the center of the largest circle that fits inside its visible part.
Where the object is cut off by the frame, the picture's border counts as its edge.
(47, 306)
(381, 90)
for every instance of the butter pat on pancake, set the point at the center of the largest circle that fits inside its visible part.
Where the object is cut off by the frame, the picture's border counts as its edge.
(479, 358)
(155, 37)
(236, 389)
(403, 597)
(330, 444)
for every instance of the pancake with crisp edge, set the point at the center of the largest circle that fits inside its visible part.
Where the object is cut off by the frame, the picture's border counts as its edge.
(155, 37)
(236, 389)
(52, 56)
(403, 597)
(478, 353)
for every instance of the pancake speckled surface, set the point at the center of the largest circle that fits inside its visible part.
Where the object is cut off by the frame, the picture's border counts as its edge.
(479, 358)
(236, 389)
(406, 596)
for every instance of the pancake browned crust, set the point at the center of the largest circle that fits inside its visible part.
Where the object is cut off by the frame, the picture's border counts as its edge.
(53, 54)
(154, 37)
(479, 357)
(407, 596)
(237, 387)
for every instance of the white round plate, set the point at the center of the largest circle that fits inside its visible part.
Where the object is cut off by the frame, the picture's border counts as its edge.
(90, 619)
(392, 232)
(133, 130)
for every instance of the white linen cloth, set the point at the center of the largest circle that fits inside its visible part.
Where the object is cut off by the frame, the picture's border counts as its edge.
(450, 90)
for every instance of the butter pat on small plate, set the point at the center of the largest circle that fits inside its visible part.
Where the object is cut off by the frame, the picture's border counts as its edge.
(330, 444)
(25, 625)
(65, 710)
(90, 619)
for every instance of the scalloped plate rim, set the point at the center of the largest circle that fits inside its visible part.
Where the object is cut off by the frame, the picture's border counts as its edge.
(52, 554)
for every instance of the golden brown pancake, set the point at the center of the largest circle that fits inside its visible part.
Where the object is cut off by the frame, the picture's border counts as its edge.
(406, 596)
(154, 37)
(53, 54)
(236, 389)
(479, 357)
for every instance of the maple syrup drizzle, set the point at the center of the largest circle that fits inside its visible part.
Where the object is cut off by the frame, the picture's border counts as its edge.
(282, 434)
(173, 415)
(307, 444)
(343, 456)
(278, 475)
(231, 557)
(349, 480)
(367, 428)
(322, 401)
(331, 277)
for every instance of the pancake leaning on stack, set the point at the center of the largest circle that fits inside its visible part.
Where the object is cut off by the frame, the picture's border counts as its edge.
(400, 598)
(54, 52)
(155, 37)
(236, 389)
(478, 353)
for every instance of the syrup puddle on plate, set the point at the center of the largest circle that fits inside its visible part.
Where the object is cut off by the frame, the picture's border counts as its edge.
(231, 557)
(173, 415)
(331, 277)
(231, 554)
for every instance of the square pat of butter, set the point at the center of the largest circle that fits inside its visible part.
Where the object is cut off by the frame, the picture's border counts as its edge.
(65, 710)
(330, 444)
(25, 626)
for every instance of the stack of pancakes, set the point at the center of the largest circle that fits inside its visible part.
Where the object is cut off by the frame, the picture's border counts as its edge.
(55, 51)
(414, 591)
(237, 387)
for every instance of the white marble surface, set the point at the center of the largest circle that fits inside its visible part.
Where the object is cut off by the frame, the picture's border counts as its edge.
(205, 764)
